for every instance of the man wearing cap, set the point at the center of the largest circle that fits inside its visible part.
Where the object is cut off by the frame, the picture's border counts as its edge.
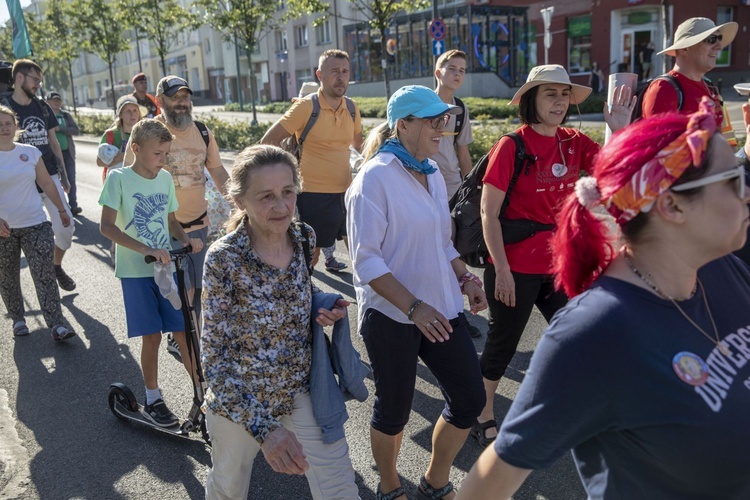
(188, 156)
(140, 84)
(66, 129)
(39, 125)
(326, 173)
(697, 44)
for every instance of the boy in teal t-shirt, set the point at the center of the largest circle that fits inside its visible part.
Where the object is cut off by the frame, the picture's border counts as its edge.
(138, 214)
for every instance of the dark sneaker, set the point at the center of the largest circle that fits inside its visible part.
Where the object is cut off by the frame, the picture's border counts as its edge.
(65, 281)
(159, 414)
(334, 266)
(173, 348)
(76, 210)
(59, 333)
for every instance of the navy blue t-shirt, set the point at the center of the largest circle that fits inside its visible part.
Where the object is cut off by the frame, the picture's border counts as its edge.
(649, 406)
(31, 121)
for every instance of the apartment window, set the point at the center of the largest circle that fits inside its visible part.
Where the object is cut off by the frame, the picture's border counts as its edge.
(323, 32)
(280, 37)
(579, 44)
(208, 46)
(724, 15)
(302, 35)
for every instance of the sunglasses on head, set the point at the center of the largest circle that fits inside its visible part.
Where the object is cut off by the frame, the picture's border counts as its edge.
(712, 39)
(737, 173)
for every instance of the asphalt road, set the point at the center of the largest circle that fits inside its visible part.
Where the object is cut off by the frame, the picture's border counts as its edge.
(58, 439)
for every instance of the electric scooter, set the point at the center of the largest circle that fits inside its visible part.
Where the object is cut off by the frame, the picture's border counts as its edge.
(122, 401)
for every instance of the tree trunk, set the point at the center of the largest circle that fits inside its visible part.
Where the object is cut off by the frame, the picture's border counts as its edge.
(112, 85)
(163, 65)
(253, 94)
(72, 87)
(383, 63)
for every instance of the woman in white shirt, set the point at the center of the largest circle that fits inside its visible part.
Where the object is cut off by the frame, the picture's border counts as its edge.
(24, 226)
(409, 279)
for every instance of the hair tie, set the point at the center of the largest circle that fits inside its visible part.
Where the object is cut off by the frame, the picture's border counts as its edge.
(587, 192)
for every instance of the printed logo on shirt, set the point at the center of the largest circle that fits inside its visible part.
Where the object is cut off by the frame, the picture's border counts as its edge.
(149, 220)
(723, 369)
(35, 133)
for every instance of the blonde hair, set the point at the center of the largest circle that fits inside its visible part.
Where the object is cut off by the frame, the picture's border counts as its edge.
(149, 129)
(377, 136)
(447, 56)
(335, 53)
(248, 161)
(5, 110)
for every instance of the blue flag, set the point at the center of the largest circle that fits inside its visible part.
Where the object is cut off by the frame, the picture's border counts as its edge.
(21, 41)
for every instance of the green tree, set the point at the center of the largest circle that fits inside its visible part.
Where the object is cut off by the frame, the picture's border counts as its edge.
(6, 42)
(247, 22)
(159, 21)
(57, 46)
(381, 15)
(100, 32)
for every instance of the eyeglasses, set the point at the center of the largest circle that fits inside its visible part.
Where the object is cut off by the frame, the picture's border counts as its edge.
(33, 78)
(438, 121)
(712, 39)
(734, 173)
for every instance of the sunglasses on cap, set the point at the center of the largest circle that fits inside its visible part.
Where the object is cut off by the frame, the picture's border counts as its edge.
(712, 39)
(436, 122)
(737, 173)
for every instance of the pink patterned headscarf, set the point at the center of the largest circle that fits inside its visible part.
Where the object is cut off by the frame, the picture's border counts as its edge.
(659, 173)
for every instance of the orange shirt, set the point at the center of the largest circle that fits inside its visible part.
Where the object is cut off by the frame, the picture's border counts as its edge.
(325, 157)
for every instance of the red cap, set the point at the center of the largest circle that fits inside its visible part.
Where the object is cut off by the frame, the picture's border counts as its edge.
(139, 76)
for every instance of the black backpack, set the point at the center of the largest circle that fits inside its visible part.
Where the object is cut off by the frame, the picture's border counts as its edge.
(641, 91)
(460, 119)
(466, 211)
(294, 145)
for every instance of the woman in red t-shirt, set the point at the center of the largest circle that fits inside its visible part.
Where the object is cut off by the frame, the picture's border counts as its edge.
(520, 275)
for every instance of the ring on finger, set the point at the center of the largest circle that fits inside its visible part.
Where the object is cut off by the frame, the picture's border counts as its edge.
(435, 321)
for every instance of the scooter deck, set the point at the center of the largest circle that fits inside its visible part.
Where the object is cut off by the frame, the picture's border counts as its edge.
(138, 416)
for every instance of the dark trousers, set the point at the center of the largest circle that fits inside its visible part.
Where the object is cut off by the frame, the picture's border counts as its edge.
(37, 243)
(70, 169)
(393, 349)
(508, 323)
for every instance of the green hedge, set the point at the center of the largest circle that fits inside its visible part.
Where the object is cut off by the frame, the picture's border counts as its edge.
(238, 135)
(482, 108)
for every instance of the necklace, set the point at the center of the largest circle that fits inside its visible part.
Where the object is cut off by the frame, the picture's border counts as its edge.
(646, 279)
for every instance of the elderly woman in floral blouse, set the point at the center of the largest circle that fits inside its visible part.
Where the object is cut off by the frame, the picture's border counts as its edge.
(256, 338)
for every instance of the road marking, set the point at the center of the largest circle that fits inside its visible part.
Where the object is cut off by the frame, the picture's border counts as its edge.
(16, 475)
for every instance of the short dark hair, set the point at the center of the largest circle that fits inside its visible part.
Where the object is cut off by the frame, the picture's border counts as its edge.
(527, 107)
(24, 66)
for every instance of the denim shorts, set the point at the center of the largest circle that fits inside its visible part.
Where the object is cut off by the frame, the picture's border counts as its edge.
(146, 311)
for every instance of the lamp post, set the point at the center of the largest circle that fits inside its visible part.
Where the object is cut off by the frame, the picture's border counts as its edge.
(547, 18)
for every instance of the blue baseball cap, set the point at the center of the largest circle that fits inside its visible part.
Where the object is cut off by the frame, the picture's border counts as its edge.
(418, 101)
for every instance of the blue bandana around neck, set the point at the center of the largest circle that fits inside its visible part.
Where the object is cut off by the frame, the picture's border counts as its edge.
(395, 147)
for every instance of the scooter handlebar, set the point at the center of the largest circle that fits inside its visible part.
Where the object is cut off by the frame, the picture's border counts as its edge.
(174, 253)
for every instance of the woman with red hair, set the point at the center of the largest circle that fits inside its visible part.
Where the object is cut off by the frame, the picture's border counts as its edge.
(644, 374)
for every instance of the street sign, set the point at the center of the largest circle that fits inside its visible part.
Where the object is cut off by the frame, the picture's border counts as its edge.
(438, 47)
(437, 29)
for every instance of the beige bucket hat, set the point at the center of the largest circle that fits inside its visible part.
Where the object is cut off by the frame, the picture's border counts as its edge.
(551, 73)
(697, 29)
(307, 89)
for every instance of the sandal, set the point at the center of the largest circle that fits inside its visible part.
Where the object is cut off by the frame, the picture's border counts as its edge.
(391, 495)
(335, 266)
(59, 333)
(427, 492)
(20, 329)
(478, 432)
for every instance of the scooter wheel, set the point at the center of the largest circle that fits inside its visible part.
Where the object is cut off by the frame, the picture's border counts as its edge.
(121, 394)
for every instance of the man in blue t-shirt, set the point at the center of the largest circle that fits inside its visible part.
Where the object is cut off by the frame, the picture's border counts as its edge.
(39, 124)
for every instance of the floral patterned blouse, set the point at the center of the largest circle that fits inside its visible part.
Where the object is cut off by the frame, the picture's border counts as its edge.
(256, 339)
